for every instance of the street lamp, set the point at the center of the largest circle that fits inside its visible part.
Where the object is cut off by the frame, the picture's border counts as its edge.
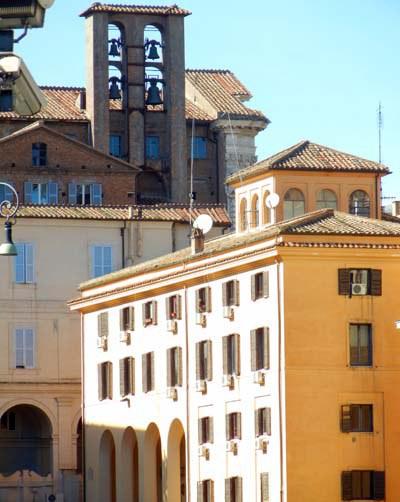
(8, 210)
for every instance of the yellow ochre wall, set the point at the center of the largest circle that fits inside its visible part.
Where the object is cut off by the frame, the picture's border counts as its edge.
(319, 379)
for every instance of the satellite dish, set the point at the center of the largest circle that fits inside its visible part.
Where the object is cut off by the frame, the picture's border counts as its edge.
(203, 222)
(272, 200)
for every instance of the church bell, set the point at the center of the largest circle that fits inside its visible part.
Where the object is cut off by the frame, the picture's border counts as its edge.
(153, 94)
(114, 48)
(115, 91)
(153, 52)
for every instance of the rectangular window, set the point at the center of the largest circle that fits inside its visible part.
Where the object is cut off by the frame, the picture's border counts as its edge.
(363, 485)
(259, 341)
(357, 418)
(149, 313)
(127, 319)
(23, 264)
(231, 354)
(174, 367)
(359, 282)
(115, 145)
(204, 360)
(101, 260)
(6, 193)
(263, 421)
(24, 339)
(39, 154)
(230, 293)
(85, 194)
(233, 489)
(206, 430)
(264, 486)
(259, 286)
(360, 345)
(203, 300)
(127, 376)
(233, 426)
(199, 147)
(148, 372)
(40, 193)
(152, 147)
(205, 491)
(173, 307)
(105, 380)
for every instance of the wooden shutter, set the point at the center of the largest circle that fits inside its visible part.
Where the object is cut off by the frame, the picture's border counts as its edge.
(239, 489)
(109, 379)
(197, 300)
(208, 299)
(131, 375)
(144, 314)
(346, 419)
(200, 430)
(224, 294)
(378, 483)
(237, 352)
(178, 307)
(179, 368)
(253, 349)
(266, 348)
(144, 373)
(131, 318)
(225, 354)
(211, 429)
(265, 291)
(122, 377)
(257, 422)
(152, 386)
(210, 490)
(122, 326)
(344, 281)
(236, 292)
(228, 494)
(169, 367)
(267, 427)
(253, 287)
(347, 485)
(200, 491)
(154, 312)
(264, 487)
(228, 433)
(100, 381)
(168, 307)
(198, 361)
(376, 282)
(208, 347)
(239, 425)
(103, 324)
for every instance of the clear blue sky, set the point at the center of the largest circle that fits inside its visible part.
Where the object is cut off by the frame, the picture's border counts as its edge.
(316, 68)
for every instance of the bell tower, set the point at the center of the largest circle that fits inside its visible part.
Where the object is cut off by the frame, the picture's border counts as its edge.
(135, 93)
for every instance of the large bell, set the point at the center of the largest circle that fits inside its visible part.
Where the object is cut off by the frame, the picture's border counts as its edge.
(114, 48)
(115, 91)
(153, 94)
(153, 52)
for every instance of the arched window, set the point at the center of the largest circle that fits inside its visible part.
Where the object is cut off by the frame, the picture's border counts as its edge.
(293, 204)
(266, 211)
(326, 198)
(359, 203)
(243, 215)
(255, 212)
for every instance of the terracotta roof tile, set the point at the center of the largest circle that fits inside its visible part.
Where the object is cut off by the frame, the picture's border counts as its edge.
(194, 112)
(322, 222)
(307, 156)
(161, 212)
(172, 10)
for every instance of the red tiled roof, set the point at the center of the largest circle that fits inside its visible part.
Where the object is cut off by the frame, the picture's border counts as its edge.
(194, 112)
(307, 156)
(226, 79)
(172, 10)
(160, 212)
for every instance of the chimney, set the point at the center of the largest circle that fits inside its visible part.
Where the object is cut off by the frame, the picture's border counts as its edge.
(396, 208)
(197, 240)
(81, 100)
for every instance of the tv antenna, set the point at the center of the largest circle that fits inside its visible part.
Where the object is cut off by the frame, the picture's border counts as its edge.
(380, 126)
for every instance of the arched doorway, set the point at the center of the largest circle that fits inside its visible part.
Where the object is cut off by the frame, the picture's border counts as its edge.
(130, 470)
(152, 459)
(176, 466)
(107, 478)
(26, 441)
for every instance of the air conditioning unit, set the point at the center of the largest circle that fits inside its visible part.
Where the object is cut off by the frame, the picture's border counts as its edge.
(259, 377)
(172, 393)
(125, 337)
(232, 446)
(204, 451)
(172, 325)
(102, 342)
(358, 289)
(228, 381)
(262, 444)
(201, 319)
(201, 386)
(229, 313)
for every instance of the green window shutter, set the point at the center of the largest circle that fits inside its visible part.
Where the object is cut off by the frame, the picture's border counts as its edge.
(200, 430)
(179, 369)
(257, 422)
(132, 375)
(109, 379)
(211, 429)
(103, 324)
(376, 282)
(237, 353)
(131, 317)
(144, 314)
(266, 348)
(100, 381)
(208, 299)
(224, 294)
(178, 307)
(197, 301)
(228, 432)
(346, 419)
(198, 361)
(347, 485)
(122, 320)
(208, 347)
(378, 484)
(253, 349)
(268, 421)
(169, 367)
(122, 377)
(264, 487)
(153, 382)
(144, 373)
(266, 284)
(236, 292)
(253, 287)
(344, 281)
(168, 307)
(225, 354)
(239, 425)
(154, 309)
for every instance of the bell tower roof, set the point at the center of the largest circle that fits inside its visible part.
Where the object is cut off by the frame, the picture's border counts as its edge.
(172, 10)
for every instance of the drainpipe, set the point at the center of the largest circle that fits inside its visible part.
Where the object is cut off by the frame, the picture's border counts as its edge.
(83, 408)
(188, 489)
(122, 231)
(377, 201)
(280, 370)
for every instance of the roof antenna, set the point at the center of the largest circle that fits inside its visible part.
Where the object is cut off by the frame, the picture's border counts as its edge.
(380, 126)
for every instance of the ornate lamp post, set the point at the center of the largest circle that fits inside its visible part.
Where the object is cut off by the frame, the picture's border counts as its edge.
(8, 210)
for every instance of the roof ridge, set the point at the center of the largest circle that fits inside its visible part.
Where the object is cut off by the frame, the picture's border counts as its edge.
(61, 88)
(209, 70)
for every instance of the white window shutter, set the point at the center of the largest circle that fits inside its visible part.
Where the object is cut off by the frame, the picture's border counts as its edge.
(28, 192)
(19, 348)
(53, 193)
(96, 194)
(107, 259)
(29, 259)
(71, 193)
(19, 264)
(29, 360)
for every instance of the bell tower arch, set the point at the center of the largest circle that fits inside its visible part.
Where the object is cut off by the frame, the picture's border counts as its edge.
(135, 92)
